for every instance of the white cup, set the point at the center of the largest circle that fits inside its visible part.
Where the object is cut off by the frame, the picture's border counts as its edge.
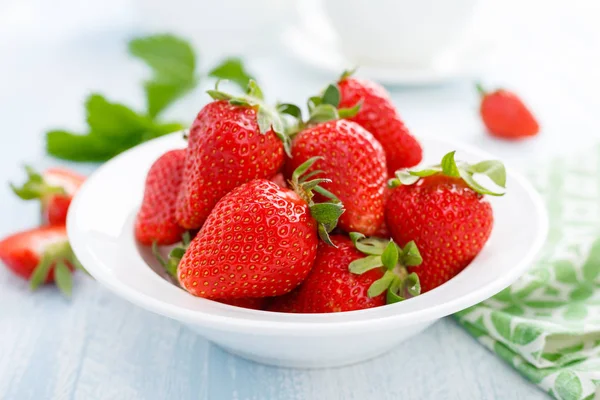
(399, 33)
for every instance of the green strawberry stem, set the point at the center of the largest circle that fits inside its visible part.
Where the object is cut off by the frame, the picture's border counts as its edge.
(399, 284)
(35, 187)
(347, 73)
(327, 213)
(492, 169)
(268, 118)
(480, 89)
(175, 255)
(58, 255)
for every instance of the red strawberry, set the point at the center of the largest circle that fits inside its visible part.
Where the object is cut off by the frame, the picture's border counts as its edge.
(379, 116)
(260, 240)
(443, 209)
(55, 189)
(279, 180)
(332, 287)
(41, 255)
(505, 116)
(232, 141)
(383, 231)
(355, 161)
(156, 220)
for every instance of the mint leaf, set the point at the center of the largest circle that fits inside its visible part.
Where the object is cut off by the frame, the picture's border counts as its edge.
(113, 128)
(232, 69)
(82, 148)
(173, 63)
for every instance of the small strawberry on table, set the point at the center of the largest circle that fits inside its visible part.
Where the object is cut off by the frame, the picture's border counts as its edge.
(54, 188)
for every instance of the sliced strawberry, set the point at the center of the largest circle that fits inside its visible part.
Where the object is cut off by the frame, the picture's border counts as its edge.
(55, 189)
(41, 255)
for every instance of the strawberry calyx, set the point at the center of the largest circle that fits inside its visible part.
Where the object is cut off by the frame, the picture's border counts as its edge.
(347, 74)
(36, 187)
(325, 107)
(493, 170)
(175, 255)
(399, 284)
(327, 213)
(268, 118)
(481, 90)
(60, 256)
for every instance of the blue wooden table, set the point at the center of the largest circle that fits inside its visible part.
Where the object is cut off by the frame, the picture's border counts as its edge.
(98, 346)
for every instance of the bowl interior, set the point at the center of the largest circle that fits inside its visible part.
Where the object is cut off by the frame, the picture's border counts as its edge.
(100, 227)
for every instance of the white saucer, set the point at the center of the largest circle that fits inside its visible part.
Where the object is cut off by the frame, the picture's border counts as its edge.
(322, 53)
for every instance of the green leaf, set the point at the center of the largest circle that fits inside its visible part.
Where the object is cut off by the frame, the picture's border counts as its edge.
(326, 213)
(331, 95)
(41, 271)
(63, 278)
(323, 113)
(494, 169)
(254, 90)
(302, 168)
(173, 63)
(356, 236)
(35, 187)
(411, 257)
(232, 69)
(449, 165)
(83, 148)
(264, 120)
(324, 192)
(160, 95)
(172, 59)
(347, 73)
(314, 102)
(425, 172)
(365, 264)
(381, 285)
(406, 178)
(372, 245)
(114, 121)
(403, 289)
(290, 109)
(350, 112)
(389, 257)
(473, 184)
(324, 235)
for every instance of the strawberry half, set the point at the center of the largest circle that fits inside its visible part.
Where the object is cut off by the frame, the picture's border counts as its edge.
(55, 188)
(260, 240)
(41, 255)
(156, 220)
(232, 141)
(443, 209)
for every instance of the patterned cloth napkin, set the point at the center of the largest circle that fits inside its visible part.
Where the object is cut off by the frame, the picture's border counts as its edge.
(547, 324)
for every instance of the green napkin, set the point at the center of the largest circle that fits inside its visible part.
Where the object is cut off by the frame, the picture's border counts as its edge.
(547, 324)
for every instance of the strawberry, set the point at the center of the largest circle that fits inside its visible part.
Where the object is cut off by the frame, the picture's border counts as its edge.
(355, 161)
(175, 256)
(279, 180)
(41, 255)
(55, 188)
(383, 231)
(379, 116)
(343, 279)
(232, 141)
(259, 240)
(156, 220)
(505, 116)
(443, 209)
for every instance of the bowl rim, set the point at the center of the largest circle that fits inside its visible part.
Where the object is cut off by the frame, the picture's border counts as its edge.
(256, 321)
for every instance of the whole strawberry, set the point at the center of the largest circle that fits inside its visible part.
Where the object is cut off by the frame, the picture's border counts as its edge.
(41, 255)
(55, 189)
(232, 141)
(379, 116)
(156, 220)
(505, 116)
(343, 279)
(260, 240)
(443, 209)
(356, 163)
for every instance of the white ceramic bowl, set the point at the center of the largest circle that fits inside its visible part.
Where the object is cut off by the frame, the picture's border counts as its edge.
(100, 228)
